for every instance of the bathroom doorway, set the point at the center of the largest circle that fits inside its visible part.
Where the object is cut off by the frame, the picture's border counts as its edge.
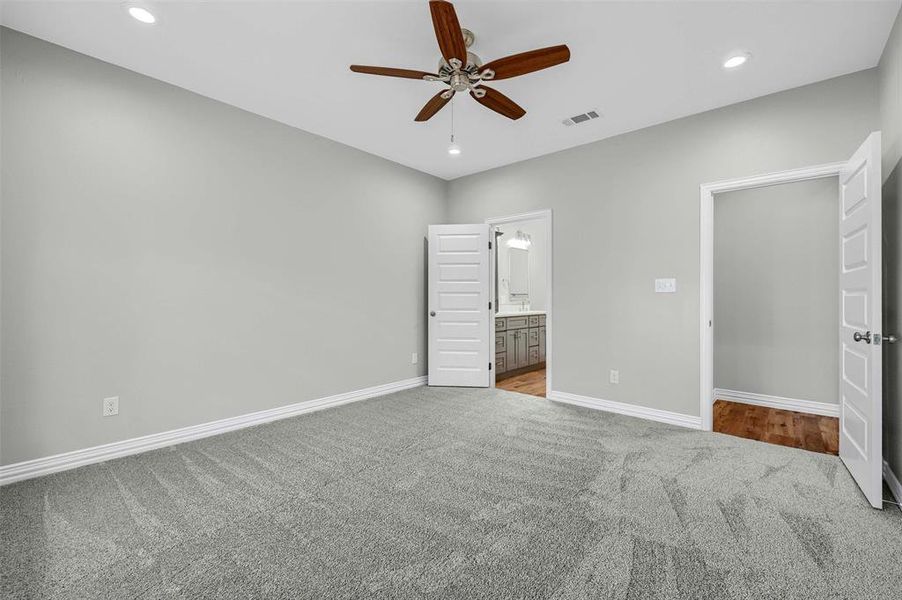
(522, 302)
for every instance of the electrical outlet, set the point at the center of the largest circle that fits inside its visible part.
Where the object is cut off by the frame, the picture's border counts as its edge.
(615, 376)
(111, 406)
(414, 358)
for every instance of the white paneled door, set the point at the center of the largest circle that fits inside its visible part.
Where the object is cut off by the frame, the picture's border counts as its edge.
(860, 343)
(459, 313)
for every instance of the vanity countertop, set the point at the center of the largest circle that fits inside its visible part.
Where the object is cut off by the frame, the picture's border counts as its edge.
(519, 313)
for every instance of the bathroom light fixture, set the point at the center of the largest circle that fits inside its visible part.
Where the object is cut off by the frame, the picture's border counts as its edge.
(521, 240)
(736, 60)
(141, 13)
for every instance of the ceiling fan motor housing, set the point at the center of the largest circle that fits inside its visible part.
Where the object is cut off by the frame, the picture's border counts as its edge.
(473, 64)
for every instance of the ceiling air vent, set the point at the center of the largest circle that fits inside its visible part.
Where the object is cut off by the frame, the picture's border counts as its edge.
(588, 116)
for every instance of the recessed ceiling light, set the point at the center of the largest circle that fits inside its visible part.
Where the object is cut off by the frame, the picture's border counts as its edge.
(737, 60)
(142, 14)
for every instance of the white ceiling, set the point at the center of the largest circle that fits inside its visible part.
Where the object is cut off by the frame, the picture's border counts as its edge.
(638, 63)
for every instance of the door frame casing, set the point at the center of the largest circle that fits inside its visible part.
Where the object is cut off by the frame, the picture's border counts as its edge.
(546, 216)
(706, 264)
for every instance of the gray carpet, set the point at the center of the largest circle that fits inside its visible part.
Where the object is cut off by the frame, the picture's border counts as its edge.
(447, 493)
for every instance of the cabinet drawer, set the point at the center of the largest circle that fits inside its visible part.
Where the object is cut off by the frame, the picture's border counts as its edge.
(517, 322)
(533, 320)
(542, 320)
(534, 356)
(500, 342)
(500, 324)
(533, 337)
(500, 363)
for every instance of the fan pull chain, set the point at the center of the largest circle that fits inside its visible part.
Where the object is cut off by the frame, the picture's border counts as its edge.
(452, 119)
(453, 148)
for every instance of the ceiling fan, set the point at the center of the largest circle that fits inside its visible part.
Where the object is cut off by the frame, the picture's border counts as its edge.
(462, 70)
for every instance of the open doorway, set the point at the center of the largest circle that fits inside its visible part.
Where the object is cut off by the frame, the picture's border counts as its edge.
(776, 272)
(522, 302)
(859, 358)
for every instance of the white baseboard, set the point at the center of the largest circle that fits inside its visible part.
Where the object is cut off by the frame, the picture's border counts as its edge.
(632, 410)
(892, 482)
(87, 456)
(806, 406)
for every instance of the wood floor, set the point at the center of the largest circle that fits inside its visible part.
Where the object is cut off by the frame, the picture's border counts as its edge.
(783, 427)
(772, 425)
(532, 383)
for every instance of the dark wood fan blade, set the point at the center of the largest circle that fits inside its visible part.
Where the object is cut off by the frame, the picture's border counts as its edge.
(434, 105)
(447, 31)
(500, 103)
(390, 72)
(527, 62)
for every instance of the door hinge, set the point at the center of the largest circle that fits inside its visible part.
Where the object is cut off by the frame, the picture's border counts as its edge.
(490, 306)
(490, 244)
(490, 366)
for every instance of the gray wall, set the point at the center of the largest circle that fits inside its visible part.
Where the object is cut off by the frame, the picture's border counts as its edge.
(196, 260)
(626, 210)
(890, 88)
(178, 256)
(776, 299)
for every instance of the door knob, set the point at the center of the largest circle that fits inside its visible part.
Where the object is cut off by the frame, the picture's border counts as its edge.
(891, 339)
(432, 313)
(858, 336)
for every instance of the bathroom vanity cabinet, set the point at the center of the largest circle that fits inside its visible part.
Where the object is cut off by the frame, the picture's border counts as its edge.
(519, 342)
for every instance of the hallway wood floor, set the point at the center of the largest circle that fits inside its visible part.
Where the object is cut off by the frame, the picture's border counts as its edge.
(783, 427)
(532, 383)
(775, 426)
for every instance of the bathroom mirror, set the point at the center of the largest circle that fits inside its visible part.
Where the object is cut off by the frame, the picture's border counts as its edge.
(518, 282)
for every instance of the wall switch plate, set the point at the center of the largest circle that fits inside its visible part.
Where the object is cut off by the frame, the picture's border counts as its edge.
(615, 376)
(111, 406)
(665, 286)
(414, 358)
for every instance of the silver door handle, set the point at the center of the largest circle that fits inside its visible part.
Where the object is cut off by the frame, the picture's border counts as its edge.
(432, 313)
(858, 336)
(890, 339)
